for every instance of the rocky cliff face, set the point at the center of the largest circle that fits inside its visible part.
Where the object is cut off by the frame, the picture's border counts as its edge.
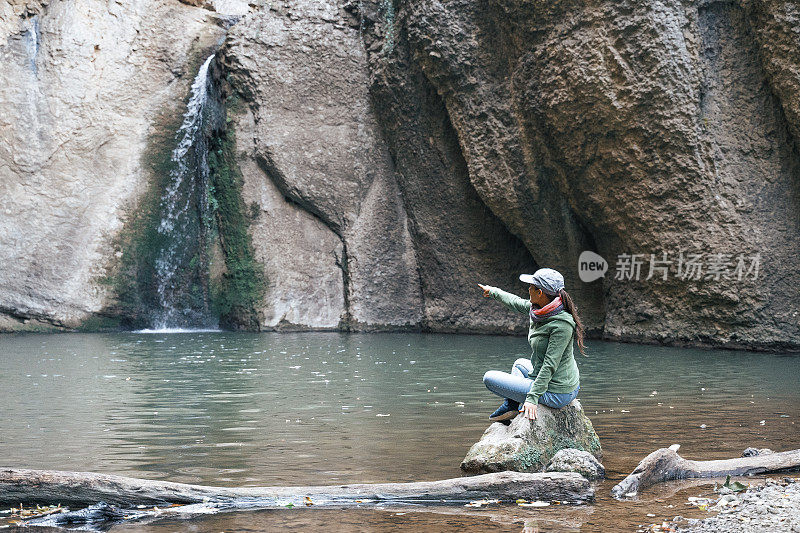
(389, 156)
(349, 240)
(84, 88)
(625, 128)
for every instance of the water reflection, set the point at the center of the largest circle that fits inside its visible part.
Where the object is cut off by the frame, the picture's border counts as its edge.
(330, 408)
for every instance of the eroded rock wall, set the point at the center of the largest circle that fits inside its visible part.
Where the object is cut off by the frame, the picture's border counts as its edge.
(625, 128)
(83, 87)
(404, 250)
(333, 237)
(394, 154)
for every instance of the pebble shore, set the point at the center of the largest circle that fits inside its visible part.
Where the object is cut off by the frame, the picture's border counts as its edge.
(773, 507)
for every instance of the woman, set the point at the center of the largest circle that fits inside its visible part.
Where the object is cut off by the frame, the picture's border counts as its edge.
(551, 376)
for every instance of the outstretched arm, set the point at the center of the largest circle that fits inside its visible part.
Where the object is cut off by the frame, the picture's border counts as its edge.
(512, 301)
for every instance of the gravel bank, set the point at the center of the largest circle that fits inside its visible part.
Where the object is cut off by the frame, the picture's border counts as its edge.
(773, 507)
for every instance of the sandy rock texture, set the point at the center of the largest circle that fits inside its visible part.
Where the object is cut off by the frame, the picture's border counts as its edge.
(84, 85)
(347, 240)
(623, 128)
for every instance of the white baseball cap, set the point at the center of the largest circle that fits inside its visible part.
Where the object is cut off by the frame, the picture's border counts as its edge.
(549, 280)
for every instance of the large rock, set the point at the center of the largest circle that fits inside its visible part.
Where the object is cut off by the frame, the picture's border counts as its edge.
(395, 153)
(529, 446)
(579, 461)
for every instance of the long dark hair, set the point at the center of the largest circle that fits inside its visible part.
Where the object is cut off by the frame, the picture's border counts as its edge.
(569, 306)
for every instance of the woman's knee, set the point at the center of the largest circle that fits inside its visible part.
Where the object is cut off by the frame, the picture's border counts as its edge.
(490, 377)
(522, 367)
(495, 381)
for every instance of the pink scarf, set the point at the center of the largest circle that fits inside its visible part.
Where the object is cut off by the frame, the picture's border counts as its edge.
(551, 309)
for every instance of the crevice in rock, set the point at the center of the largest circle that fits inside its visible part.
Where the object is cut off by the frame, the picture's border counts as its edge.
(770, 82)
(25, 317)
(479, 89)
(456, 237)
(270, 170)
(727, 13)
(343, 263)
(294, 196)
(756, 162)
(34, 8)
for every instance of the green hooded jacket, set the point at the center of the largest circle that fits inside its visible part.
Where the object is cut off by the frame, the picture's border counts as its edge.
(553, 359)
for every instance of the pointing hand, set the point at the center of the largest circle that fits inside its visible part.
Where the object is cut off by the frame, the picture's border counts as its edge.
(486, 290)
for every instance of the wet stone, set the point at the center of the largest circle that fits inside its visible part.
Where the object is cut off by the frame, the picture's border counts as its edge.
(582, 462)
(529, 446)
(752, 452)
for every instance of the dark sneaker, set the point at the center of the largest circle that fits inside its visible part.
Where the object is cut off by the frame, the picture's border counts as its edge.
(508, 410)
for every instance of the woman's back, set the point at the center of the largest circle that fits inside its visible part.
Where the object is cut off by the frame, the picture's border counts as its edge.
(551, 340)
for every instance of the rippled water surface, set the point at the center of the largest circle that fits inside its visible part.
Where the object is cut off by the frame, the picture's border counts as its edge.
(327, 408)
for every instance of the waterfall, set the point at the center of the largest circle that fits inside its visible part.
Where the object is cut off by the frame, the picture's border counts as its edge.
(181, 269)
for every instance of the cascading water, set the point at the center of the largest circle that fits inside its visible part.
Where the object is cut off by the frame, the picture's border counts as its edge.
(181, 270)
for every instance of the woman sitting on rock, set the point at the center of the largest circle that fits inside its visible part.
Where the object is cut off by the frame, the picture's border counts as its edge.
(551, 376)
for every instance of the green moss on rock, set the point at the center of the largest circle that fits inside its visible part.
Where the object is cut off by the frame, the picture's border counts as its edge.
(100, 323)
(238, 294)
(530, 460)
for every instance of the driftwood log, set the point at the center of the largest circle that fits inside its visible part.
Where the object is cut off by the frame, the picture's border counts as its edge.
(665, 465)
(86, 488)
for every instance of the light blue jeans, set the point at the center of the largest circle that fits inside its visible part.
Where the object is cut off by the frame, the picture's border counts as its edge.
(516, 385)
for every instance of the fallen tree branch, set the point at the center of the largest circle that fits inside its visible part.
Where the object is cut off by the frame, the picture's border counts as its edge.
(665, 464)
(86, 488)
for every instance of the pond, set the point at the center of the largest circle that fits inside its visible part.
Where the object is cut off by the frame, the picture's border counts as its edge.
(239, 409)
